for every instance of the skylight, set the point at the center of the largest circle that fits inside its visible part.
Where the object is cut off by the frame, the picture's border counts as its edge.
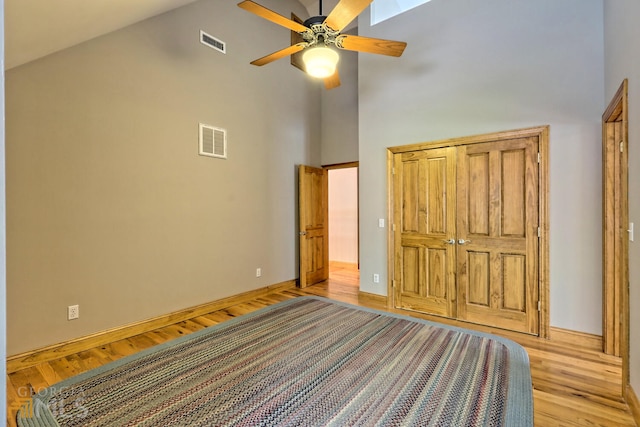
(385, 9)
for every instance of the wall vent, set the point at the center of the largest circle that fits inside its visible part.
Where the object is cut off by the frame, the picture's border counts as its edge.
(213, 141)
(212, 42)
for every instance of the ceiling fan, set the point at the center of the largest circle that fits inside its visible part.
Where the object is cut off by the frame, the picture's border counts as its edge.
(319, 33)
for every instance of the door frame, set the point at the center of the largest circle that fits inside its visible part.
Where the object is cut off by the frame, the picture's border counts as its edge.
(542, 133)
(302, 258)
(615, 221)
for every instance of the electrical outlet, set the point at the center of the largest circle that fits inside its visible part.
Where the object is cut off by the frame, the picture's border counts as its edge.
(376, 278)
(258, 272)
(73, 312)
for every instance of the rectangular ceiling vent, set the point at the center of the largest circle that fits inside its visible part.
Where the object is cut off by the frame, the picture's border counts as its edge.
(213, 141)
(212, 42)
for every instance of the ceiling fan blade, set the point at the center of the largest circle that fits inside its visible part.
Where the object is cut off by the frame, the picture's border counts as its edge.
(345, 12)
(332, 81)
(370, 45)
(279, 54)
(270, 15)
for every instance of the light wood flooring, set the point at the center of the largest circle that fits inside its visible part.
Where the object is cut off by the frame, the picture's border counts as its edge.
(573, 386)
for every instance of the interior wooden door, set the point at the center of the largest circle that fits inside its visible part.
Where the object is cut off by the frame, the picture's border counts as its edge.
(497, 234)
(469, 235)
(425, 242)
(314, 225)
(615, 232)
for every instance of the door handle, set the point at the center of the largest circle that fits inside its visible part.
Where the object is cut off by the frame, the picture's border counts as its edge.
(462, 241)
(449, 241)
(303, 233)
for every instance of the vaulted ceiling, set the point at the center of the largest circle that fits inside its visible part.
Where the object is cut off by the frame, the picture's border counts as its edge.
(35, 28)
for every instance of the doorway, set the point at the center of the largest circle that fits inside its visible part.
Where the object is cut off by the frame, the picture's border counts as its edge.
(343, 223)
(314, 209)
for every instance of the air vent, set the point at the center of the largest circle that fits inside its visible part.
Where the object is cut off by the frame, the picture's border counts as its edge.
(213, 141)
(212, 42)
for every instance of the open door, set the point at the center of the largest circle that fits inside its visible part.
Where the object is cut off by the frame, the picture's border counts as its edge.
(615, 237)
(314, 225)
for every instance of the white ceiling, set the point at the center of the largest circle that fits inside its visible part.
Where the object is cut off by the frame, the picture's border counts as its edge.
(35, 28)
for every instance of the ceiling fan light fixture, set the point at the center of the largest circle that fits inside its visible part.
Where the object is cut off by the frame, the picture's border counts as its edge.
(320, 61)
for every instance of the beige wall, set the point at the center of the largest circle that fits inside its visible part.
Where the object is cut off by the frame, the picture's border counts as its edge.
(109, 205)
(339, 113)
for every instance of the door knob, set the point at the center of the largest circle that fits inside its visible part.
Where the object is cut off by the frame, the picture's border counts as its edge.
(450, 241)
(462, 241)
(303, 233)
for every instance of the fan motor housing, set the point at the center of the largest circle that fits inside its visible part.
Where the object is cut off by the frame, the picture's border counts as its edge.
(314, 20)
(319, 32)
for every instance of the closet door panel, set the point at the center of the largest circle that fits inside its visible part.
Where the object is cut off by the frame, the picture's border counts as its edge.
(477, 185)
(424, 185)
(497, 216)
(479, 291)
(513, 197)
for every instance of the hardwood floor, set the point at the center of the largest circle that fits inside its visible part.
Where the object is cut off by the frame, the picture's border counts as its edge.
(573, 385)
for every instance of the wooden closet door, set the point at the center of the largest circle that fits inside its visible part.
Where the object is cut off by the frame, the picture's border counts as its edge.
(424, 185)
(497, 234)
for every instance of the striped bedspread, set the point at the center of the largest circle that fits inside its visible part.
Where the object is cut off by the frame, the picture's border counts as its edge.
(308, 361)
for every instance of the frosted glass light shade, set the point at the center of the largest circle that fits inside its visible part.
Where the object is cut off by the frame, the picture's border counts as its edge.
(320, 61)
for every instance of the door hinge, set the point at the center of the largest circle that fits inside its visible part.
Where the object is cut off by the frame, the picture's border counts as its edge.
(622, 146)
(539, 305)
(539, 157)
(393, 284)
(393, 227)
(393, 171)
(539, 232)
